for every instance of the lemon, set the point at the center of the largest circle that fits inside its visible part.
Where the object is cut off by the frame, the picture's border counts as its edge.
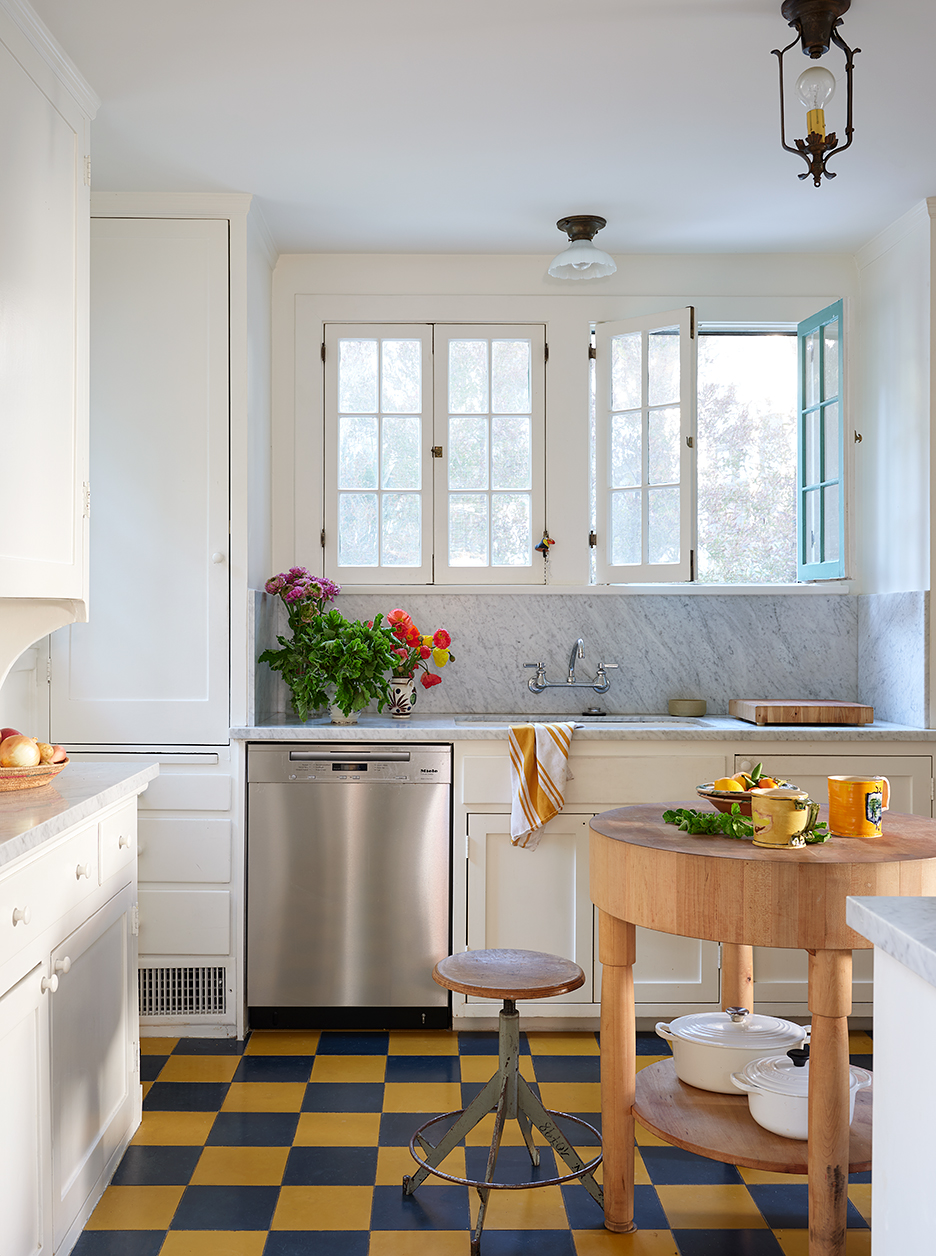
(727, 783)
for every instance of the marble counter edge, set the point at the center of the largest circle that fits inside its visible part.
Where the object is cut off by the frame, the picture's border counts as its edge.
(905, 928)
(86, 791)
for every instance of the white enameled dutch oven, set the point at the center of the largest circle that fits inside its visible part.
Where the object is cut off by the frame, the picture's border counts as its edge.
(709, 1046)
(778, 1093)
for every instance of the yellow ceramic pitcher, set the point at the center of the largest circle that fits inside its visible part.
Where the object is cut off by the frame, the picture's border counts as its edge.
(856, 804)
(779, 815)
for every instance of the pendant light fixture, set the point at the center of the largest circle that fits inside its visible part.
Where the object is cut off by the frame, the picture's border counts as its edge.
(582, 259)
(816, 24)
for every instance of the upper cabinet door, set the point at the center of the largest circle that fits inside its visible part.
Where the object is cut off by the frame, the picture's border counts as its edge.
(151, 665)
(44, 210)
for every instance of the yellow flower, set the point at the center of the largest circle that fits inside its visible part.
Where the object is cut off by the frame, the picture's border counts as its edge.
(427, 641)
(441, 657)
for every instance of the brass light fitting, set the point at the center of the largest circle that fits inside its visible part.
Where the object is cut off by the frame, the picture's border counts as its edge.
(816, 23)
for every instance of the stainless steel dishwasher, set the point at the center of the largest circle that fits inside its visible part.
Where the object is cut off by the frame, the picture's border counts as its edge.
(348, 885)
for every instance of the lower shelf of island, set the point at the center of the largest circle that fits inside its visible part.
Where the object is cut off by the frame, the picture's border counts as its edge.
(721, 1127)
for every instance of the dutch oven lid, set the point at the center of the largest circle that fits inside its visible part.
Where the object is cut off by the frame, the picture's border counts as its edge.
(781, 1076)
(737, 1027)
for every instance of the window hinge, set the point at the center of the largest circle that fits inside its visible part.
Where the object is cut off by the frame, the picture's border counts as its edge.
(692, 565)
(592, 351)
(592, 540)
(87, 170)
(546, 352)
(692, 326)
(86, 507)
(932, 794)
(322, 538)
(323, 350)
(689, 442)
(436, 451)
(135, 920)
(48, 669)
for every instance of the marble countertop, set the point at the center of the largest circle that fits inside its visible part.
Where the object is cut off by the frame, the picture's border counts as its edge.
(30, 817)
(903, 927)
(453, 727)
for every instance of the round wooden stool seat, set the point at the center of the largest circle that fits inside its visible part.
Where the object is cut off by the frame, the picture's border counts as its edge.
(506, 974)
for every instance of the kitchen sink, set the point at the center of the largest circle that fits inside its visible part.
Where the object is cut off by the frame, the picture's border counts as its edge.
(670, 721)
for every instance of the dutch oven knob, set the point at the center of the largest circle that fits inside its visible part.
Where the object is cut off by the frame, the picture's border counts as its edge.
(799, 1055)
(737, 1013)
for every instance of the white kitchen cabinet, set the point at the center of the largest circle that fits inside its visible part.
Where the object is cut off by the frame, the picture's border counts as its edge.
(780, 976)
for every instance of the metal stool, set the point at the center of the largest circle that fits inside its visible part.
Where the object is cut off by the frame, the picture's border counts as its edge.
(507, 975)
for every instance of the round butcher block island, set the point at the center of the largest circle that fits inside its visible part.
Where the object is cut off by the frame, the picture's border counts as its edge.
(645, 872)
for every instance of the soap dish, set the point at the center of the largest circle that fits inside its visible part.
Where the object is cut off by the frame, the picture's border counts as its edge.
(687, 706)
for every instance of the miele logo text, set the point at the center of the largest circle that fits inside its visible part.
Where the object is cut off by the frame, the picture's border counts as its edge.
(428, 769)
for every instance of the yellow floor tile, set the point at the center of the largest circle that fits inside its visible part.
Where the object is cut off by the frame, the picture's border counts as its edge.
(640, 1243)
(796, 1242)
(540, 1209)
(147, 1087)
(214, 1243)
(710, 1208)
(860, 1195)
(542, 1043)
(174, 1129)
(860, 1043)
(323, 1208)
(338, 1129)
(240, 1166)
(571, 1096)
(136, 1208)
(416, 1243)
(158, 1046)
(483, 1132)
(644, 1138)
(349, 1068)
(199, 1068)
(422, 1097)
(481, 1068)
(760, 1177)
(641, 1176)
(644, 1061)
(264, 1097)
(283, 1042)
(423, 1042)
(394, 1162)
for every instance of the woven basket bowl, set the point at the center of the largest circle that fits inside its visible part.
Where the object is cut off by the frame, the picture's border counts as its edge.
(29, 778)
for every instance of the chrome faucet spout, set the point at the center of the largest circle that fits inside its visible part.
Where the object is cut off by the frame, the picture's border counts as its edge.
(578, 652)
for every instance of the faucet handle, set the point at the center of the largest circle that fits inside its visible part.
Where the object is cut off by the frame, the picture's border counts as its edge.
(539, 666)
(608, 667)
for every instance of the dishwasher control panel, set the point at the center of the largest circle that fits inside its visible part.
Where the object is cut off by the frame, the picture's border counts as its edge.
(342, 763)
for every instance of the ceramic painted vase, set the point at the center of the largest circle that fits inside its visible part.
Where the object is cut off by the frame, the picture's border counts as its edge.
(403, 689)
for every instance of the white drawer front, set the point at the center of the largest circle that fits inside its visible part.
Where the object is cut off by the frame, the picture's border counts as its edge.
(118, 840)
(185, 922)
(35, 896)
(185, 850)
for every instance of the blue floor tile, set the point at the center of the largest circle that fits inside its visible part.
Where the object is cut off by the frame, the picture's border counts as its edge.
(333, 1042)
(331, 1166)
(584, 1213)
(430, 1208)
(151, 1066)
(567, 1068)
(727, 1243)
(513, 1164)
(317, 1243)
(784, 1206)
(860, 1177)
(652, 1044)
(210, 1046)
(423, 1068)
(226, 1208)
(862, 1061)
(119, 1243)
(671, 1166)
(578, 1135)
(396, 1128)
(185, 1096)
(157, 1166)
(274, 1068)
(343, 1097)
(527, 1243)
(253, 1129)
(485, 1042)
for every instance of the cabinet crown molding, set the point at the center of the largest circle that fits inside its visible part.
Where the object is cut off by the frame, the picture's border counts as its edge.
(58, 60)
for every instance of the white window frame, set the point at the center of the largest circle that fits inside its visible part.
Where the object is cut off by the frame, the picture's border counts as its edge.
(646, 572)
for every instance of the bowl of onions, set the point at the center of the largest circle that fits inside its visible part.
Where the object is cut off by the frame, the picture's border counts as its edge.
(26, 762)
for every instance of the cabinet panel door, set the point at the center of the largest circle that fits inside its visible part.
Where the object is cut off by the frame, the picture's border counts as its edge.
(532, 900)
(151, 665)
(25, 1151)
(93, 1065)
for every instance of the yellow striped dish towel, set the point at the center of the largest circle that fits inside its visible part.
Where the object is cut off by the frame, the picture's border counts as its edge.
(539, 768)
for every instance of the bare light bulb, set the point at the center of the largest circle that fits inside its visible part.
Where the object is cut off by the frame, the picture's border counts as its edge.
(815, 87)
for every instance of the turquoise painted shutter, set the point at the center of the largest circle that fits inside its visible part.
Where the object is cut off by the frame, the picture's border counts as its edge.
(820, 498)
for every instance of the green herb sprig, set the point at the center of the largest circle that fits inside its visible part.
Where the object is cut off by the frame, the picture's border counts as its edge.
(708, 823)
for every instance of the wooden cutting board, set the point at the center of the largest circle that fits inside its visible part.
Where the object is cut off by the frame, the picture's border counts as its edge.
(776, 711)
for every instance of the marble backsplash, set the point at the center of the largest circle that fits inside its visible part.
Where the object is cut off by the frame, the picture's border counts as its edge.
(870, 649)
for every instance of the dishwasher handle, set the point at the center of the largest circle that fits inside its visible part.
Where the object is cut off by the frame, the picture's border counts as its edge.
(342, 756)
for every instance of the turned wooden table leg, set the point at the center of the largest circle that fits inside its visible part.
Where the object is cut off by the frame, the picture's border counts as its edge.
(737, 976)
(830, 975)
(617, 952)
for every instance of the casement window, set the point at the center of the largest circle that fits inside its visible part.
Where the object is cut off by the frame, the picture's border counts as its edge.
(434, 453)
(820, 481)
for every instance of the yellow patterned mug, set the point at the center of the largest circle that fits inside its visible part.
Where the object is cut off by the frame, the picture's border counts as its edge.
(780, 815)
(856, 804)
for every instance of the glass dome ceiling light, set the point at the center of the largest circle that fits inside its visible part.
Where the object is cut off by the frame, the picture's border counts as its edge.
(582, 259)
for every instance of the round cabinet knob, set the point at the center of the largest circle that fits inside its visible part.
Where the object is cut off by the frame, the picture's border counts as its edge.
(83, 870)
(50, 984)
(745, 765)
(63, 965)
(217, 557)
(21, 915)
(123, 840)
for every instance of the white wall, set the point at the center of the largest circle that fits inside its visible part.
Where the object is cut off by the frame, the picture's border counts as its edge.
(891, 501)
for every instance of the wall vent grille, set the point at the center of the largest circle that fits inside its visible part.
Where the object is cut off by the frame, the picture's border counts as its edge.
(183, 991)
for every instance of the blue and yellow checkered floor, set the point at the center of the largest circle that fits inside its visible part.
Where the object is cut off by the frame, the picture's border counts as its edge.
(295, 1143)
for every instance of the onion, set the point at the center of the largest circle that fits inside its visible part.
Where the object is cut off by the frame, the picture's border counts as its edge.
(59, 754)
(19, 752)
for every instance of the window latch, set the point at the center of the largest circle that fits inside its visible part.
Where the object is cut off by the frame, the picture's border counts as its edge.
(436, 451)
(592, 539)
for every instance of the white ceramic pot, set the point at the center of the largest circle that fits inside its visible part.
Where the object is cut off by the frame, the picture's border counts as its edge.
(709, 1046)
(778, 1094)
(338, 716)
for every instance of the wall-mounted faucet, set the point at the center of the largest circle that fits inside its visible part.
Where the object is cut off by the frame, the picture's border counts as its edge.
(601, 682)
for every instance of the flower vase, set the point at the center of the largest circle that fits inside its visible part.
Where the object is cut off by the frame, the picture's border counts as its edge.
(338, 716)
(403, 689)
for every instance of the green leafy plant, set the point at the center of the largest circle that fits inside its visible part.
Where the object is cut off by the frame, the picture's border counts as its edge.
(331, 659)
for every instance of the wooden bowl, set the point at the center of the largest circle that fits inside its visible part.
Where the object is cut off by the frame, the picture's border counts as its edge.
(29, 778)
(721, 799)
